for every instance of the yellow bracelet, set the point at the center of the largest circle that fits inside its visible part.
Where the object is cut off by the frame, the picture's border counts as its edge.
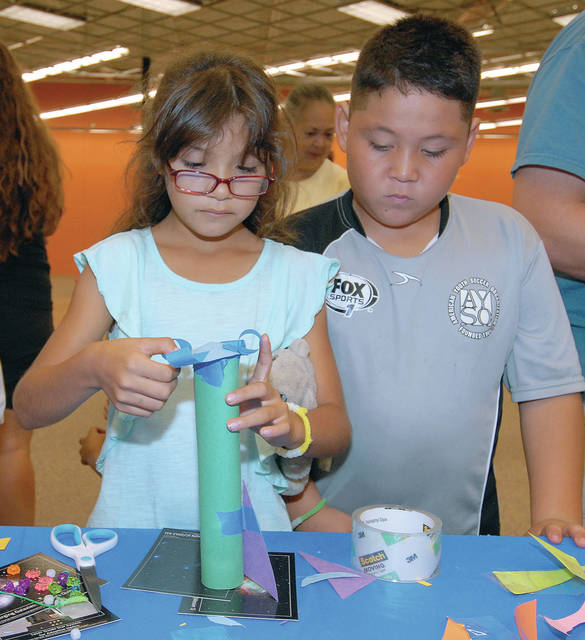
(295, 453)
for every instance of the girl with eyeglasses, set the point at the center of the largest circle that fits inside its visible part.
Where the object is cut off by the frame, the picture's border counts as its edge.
(190, 260)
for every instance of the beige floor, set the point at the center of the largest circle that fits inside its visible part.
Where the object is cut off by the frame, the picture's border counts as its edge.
(67, 490)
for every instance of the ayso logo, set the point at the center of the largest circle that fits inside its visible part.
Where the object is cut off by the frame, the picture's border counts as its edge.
(474, 307)
(351, 293)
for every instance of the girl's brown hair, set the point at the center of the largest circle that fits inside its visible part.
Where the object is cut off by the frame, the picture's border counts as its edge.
(31, 191)
(196, 98)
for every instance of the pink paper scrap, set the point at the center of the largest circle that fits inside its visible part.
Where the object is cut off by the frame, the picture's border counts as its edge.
(345, 587)
(567, 624)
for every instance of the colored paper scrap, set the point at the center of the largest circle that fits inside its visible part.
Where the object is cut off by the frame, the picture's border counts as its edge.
(455, 631)
(345, 587)
(230, 522)
(210, 359)
(318, 577)
(564, 558)
(487, 628)
(4, 543)
(521, 582)
(257, 565)
(225, 621)
(567, 624)
(525, 616)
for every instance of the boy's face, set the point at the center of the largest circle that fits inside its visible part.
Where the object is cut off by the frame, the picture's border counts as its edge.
(403, 153)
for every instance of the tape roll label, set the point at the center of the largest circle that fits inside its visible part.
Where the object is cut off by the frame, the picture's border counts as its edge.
(396, 543)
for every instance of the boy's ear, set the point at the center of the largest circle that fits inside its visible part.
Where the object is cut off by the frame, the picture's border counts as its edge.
(473, 131)
(341, 124)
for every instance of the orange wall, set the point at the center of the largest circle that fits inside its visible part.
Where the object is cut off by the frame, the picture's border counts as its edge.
(95, 167)
(94, 192)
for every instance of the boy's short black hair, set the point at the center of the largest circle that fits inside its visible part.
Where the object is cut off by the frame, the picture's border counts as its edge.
(420, 53)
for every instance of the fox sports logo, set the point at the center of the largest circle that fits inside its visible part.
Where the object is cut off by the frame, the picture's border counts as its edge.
(349, 293)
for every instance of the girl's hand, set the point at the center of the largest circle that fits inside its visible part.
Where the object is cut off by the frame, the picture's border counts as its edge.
(262, 408)
(132, 381)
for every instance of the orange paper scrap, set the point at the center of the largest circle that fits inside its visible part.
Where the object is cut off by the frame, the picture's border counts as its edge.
(525, 615)
(455, 631)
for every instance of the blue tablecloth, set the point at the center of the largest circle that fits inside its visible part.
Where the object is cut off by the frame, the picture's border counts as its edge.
(464, 588)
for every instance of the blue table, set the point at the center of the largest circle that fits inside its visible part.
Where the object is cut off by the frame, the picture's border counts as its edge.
(464, 588)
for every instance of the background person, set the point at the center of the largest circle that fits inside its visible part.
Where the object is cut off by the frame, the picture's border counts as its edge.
(316, 178)
(549, 170)
(31, 204)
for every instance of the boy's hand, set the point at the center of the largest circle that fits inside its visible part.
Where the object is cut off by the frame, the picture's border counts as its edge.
(262, 408)
(556, 530)
(132, 381)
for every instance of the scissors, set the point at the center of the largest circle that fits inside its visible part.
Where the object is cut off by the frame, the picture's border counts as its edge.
(83, 550)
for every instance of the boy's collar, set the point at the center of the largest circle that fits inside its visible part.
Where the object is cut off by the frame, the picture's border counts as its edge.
(444, 204)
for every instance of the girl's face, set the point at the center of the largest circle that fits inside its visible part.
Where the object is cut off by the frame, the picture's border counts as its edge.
(314, 130)
(218, 213)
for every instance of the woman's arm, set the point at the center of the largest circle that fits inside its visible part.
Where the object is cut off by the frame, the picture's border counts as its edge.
(76, 362)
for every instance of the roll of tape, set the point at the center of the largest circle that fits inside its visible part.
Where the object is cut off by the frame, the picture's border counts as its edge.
(396, 543)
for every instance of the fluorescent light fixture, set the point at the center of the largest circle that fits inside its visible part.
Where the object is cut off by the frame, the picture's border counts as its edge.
(285, 68)
(482, 32)
(18, 45)
(342, 97)
(170, 7)
(77, 63)
(510, 71)
(39, 17)
(564, 20)
(327, 61)
(93, 106)
(373, 11)
(97, 106)
(489, 104)
(500, 123)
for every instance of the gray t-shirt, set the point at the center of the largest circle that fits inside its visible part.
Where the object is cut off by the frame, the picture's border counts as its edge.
(422, 344)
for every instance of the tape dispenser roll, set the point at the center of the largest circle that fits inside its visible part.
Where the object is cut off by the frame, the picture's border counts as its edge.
(396, 543)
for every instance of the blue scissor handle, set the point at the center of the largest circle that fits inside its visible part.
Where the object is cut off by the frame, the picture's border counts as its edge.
(100, 540)
(84, 548)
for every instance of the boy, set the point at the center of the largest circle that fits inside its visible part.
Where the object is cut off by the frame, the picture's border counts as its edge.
(439, 297)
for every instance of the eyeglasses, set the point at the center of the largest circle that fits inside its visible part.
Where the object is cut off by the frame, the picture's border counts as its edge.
(199, 183)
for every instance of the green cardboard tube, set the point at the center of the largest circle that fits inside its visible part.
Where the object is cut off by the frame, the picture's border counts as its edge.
(220, 480)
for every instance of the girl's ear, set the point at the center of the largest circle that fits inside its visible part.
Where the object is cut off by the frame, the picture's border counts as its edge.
(341, 124)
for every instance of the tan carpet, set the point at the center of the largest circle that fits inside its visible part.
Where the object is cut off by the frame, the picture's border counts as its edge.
(66, 490)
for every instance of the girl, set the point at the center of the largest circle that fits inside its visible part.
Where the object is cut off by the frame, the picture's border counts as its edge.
(31, 204)
(311, 108)
(191, 263)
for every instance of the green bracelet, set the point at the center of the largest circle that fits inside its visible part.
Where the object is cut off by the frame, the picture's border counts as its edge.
(297, 521)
